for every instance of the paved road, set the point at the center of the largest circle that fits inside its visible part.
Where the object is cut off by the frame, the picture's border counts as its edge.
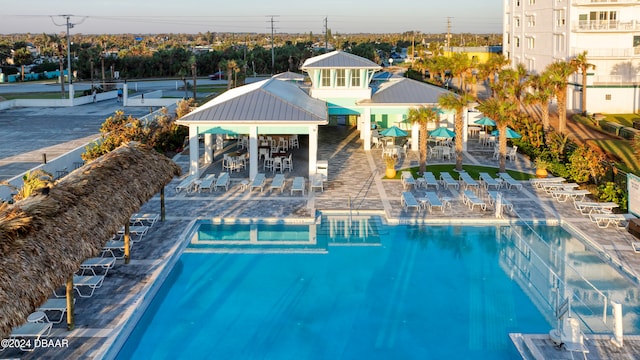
(27, 133)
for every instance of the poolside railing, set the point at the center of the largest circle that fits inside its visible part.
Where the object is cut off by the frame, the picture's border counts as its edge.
(546, 274)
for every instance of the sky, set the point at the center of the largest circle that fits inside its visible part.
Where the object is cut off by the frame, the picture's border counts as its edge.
(193, 16)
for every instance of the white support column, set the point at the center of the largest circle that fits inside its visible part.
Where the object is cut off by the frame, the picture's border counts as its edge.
(313, 148)
(193, 150)
(366, 128)
(219, 142)
(208, 148)
(415, 137)
(253, 151)
(72, 94)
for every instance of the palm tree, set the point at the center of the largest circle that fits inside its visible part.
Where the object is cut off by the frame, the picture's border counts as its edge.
(422, 116)
(580, 63)
(541, 95)
(231, 66)
(461, 67)
(502, 111)
(557, 73)
(457, 103)
(489, 69)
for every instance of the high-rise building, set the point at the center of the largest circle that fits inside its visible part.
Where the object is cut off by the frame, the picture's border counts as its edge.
(538, 32)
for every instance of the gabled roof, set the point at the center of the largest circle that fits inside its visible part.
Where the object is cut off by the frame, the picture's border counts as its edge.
(270, 100)
(339, 59)
(289, 75)
(405, 91)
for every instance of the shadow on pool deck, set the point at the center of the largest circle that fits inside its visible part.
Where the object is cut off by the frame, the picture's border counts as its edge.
(355, 177)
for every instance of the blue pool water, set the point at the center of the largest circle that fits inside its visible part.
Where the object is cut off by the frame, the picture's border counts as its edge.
(402, 292)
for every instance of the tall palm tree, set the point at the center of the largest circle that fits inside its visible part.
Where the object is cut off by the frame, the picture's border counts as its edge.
(461, 66)
(502, 111)
(541, 94)
(490, 69)
(231, 66)
(579, 62)
(558, 73)
(457, 103)
(422, 116)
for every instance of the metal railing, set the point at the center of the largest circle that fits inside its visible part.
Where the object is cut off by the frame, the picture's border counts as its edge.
(545, 274)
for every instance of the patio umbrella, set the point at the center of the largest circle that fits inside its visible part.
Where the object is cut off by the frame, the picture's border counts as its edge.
(393, 131)
(511, 134)
(220, 131)
(485, 121)
(442, 132)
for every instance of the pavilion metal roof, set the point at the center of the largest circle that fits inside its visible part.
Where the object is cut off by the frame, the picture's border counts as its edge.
(339, 59)
(267, 101)
(405, 92)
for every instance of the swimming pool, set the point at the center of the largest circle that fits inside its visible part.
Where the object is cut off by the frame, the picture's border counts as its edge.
(361, 291)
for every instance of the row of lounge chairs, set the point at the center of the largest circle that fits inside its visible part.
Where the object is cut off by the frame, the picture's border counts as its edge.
(465, 180)
(258, 182)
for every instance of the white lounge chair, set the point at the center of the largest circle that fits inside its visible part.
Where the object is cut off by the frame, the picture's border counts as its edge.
(489, 182)
(223, 181)
(432, 201)
(604, 220)
(91, 282)
(278, 182)
(564, 195)
(539, 182)
(113, 247)
(468, 182)
(298, 185)
(315, 182)
(588, 207)
(186, 184)
(448, 180)
(31, 330)
(471, 200)
(207, 183)
(493, 198)
(143, 219)
(407, 180)
(510, 182)
(97, 263)
(54, 305)
(409, 201)
(257, 182)
(430, 180)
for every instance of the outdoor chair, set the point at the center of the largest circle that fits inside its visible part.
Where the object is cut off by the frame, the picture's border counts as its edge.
(489, 182)
(471, 200)
(493, 200)
(257, 182)
(207, 183)
(408, 201)
(448, 180)
(278, 182)
(298, 185)
(186, 184)
(31, 330)
(223, 181)
(54, 305)
(102, 264)
(510, 182)
(468, 182)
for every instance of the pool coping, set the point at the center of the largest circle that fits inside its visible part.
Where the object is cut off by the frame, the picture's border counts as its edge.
(137, 307)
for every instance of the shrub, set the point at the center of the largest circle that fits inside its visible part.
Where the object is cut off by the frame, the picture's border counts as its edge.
(586, 163)
(613, 193)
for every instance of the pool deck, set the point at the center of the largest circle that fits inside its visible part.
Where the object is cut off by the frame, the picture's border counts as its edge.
(355, 177)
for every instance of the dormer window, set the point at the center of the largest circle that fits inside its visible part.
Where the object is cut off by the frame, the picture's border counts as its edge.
(355, 78)
(341, 76)
(325, 77)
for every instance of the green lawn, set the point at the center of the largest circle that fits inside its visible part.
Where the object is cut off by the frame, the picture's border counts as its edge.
(472, 170)
(40, 95)
(622, 150)
(623, 119)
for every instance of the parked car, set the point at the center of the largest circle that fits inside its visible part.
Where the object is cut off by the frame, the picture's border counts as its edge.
(218, 75)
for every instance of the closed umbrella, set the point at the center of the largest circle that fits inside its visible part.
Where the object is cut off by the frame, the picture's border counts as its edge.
(511, 134)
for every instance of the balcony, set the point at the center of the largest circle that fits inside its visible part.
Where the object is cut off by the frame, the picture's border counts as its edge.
(612, 53)
(619, 80)
(604, 2)
(605, 26)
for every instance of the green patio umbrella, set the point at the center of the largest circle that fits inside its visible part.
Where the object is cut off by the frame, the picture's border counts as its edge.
(442, 132)
(393, 131)
(219, 131)
(485, 121)
(511, 134)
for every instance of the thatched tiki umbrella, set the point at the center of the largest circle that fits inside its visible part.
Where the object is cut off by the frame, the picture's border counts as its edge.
(45, 238)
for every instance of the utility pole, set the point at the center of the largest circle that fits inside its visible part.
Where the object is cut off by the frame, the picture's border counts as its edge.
(69, 25)
(273, 53)
(449, 33)
(326, 35)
